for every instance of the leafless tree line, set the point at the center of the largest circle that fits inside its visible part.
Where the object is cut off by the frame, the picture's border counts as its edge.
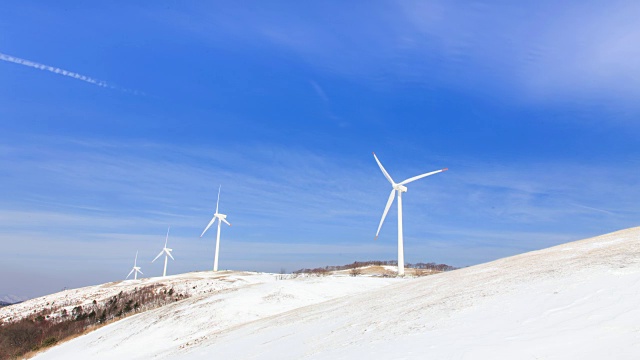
(358, 264)
(51, 325)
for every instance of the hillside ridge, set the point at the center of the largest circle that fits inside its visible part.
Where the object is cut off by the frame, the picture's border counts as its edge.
(516, 305)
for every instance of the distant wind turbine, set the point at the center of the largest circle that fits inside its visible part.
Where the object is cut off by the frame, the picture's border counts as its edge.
(135, 270)
(167, 253)
(398, 188)
(221, 218)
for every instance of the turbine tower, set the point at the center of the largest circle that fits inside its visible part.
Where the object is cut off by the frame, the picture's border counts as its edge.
(167, 253)
(398, 188)
(135, 270)
(221, 218)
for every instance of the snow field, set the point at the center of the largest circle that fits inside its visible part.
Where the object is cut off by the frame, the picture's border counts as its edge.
(573, 301)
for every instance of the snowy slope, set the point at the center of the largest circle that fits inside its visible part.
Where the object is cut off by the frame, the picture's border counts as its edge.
(575, 301)
(191, 321)
(194, 283)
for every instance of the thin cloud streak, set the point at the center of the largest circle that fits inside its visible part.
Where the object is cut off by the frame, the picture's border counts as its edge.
(63, 72)
(319, 91)
(593, 209)
(55, 70)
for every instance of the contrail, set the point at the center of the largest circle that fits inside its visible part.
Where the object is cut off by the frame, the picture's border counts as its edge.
(55, 70)
(594, 209)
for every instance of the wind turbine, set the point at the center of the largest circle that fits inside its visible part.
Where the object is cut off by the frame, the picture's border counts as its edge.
(135, 270)
(398, 188)
(167, 253)
(220, 218)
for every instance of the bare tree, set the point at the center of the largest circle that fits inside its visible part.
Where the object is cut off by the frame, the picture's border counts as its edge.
(355, 271)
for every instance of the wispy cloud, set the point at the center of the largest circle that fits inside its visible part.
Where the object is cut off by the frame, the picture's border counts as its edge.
(303, 208)
(63, 72)
(326, 101)
(549, 52)
(552, 52)
(319, 91)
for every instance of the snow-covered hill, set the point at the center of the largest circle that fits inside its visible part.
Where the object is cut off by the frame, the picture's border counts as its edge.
(574, 301)
(196, 283)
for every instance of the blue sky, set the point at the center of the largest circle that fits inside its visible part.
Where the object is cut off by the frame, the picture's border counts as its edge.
(532, 107)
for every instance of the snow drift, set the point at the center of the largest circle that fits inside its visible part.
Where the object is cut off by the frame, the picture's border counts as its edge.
(574, 301)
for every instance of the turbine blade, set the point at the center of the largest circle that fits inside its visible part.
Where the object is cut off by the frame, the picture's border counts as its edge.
(140, 271)
(386, 210)
(130, 272)
(208, 226)
(421, 176)
(135, 261)
(386, 174)
(156, 258)
(226, 222)
(167, 238)
(168, 253)
(218, 202)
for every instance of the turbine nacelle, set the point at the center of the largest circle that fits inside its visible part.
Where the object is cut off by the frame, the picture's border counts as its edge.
(221, 216)
(168, 252)
(400, 188)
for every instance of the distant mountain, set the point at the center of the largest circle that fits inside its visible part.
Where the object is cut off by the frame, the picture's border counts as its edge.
(11, 299)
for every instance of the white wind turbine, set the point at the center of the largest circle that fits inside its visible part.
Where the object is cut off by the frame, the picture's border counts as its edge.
(399, 188)
(167, 253)
(135, 270)
(221, 218)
